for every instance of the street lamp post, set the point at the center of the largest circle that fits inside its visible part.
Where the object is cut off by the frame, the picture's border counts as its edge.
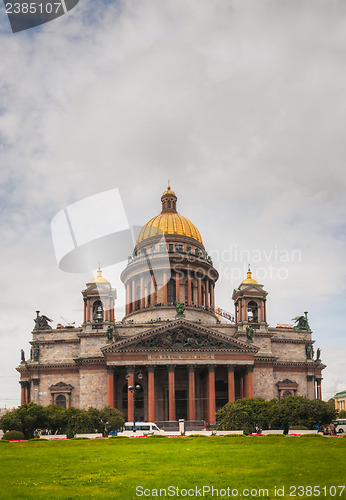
(135, 389)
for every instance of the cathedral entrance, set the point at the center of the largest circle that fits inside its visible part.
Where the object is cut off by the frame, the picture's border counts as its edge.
(181, 404)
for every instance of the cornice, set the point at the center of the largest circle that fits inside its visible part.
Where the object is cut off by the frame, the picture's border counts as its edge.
(292, 341)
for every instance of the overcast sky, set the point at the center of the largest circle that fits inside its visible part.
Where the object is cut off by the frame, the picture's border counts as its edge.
(241, 104)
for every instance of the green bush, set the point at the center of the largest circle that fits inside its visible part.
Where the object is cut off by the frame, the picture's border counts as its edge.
(298, 428)
(234, 436)
(156, 436)
(81, 438)
(312, 436)
(13, 435)
(197, 436)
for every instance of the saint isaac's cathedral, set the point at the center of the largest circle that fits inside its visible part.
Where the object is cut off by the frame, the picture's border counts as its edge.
(173, 342)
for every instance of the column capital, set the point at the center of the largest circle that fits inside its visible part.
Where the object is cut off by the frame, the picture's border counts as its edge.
(250, 368)
(151, 368)
(230, 368)
(211, 368)
(191, 368)
(171, 368)
(110, 369)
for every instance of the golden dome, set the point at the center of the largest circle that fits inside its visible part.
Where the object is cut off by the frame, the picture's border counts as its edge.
(169, 222)
(249, 280)
(99, 278)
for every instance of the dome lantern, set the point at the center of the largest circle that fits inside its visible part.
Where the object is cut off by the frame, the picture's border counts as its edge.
(169, 201)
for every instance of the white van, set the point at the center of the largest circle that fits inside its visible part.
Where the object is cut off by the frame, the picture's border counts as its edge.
(340, 425)
(143, 428)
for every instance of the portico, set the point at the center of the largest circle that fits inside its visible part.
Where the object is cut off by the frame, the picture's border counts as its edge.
(186, 372)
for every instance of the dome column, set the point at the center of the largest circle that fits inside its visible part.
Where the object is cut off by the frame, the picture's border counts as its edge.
(165, 297)
(199, 292)
(189, 295)
(207, 293)
(142, 293)
(152, 290)
(177, 286)
(212, 296)
(133, 295)
(128, 307)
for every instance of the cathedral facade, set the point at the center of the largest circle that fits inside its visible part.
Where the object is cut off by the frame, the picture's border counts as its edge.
(185, 359)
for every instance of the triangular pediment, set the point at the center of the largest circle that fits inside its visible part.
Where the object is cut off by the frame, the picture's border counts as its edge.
(180, 335)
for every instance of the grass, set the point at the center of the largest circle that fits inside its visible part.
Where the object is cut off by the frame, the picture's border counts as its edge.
(113, 468)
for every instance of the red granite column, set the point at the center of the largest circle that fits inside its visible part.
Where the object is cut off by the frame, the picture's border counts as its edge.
(192, 393)
(152, 290)
(212, 296)
(110, 388)
(231, 389)
(130, 406)
(177, 287)
(171, 392)
(189, 297)
(244, 310)
(262, 311)
(250, 383)
(22, 393)
(107, 310)
(199, 292)
(241, 386)
(142, 293)
(211, 393)
(265, 312)
(240, 310)
(235, 314)
(88, 309)
(134, 306)
(165, 299)
(128, 306)
(151, 394)
(207, 293)
(85, 311)
(319, 388)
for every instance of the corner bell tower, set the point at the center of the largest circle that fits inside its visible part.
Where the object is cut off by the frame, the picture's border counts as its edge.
(250, 304)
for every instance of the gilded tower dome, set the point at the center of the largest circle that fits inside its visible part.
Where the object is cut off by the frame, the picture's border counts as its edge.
(169, 222)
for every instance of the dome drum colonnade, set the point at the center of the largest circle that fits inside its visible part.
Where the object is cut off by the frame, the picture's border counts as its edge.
(169, 264)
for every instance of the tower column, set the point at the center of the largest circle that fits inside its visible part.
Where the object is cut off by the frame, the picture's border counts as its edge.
(192, 393)
(88, 308)
(151, 394)
(107, 309)
(85, 310)
(235, 314)
(244, 310)
(231, 389)
(262, 311)
(171, 392)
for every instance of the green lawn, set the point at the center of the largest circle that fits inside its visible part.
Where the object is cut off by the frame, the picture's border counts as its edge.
(113, 468)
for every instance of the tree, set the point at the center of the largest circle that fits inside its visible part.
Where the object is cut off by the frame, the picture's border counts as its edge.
(250, 415)
(112, 419)
(56, 418)
(26, 418)
(299, 410)
(342, 414)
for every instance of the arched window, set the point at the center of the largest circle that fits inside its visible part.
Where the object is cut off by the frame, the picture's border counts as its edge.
(169, 204)
(98, 311)
(61, 401)
(252, 312)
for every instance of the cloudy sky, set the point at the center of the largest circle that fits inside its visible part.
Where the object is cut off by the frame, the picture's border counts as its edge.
(241, 104)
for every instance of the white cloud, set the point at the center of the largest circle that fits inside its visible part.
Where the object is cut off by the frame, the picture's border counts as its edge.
(240, 104)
